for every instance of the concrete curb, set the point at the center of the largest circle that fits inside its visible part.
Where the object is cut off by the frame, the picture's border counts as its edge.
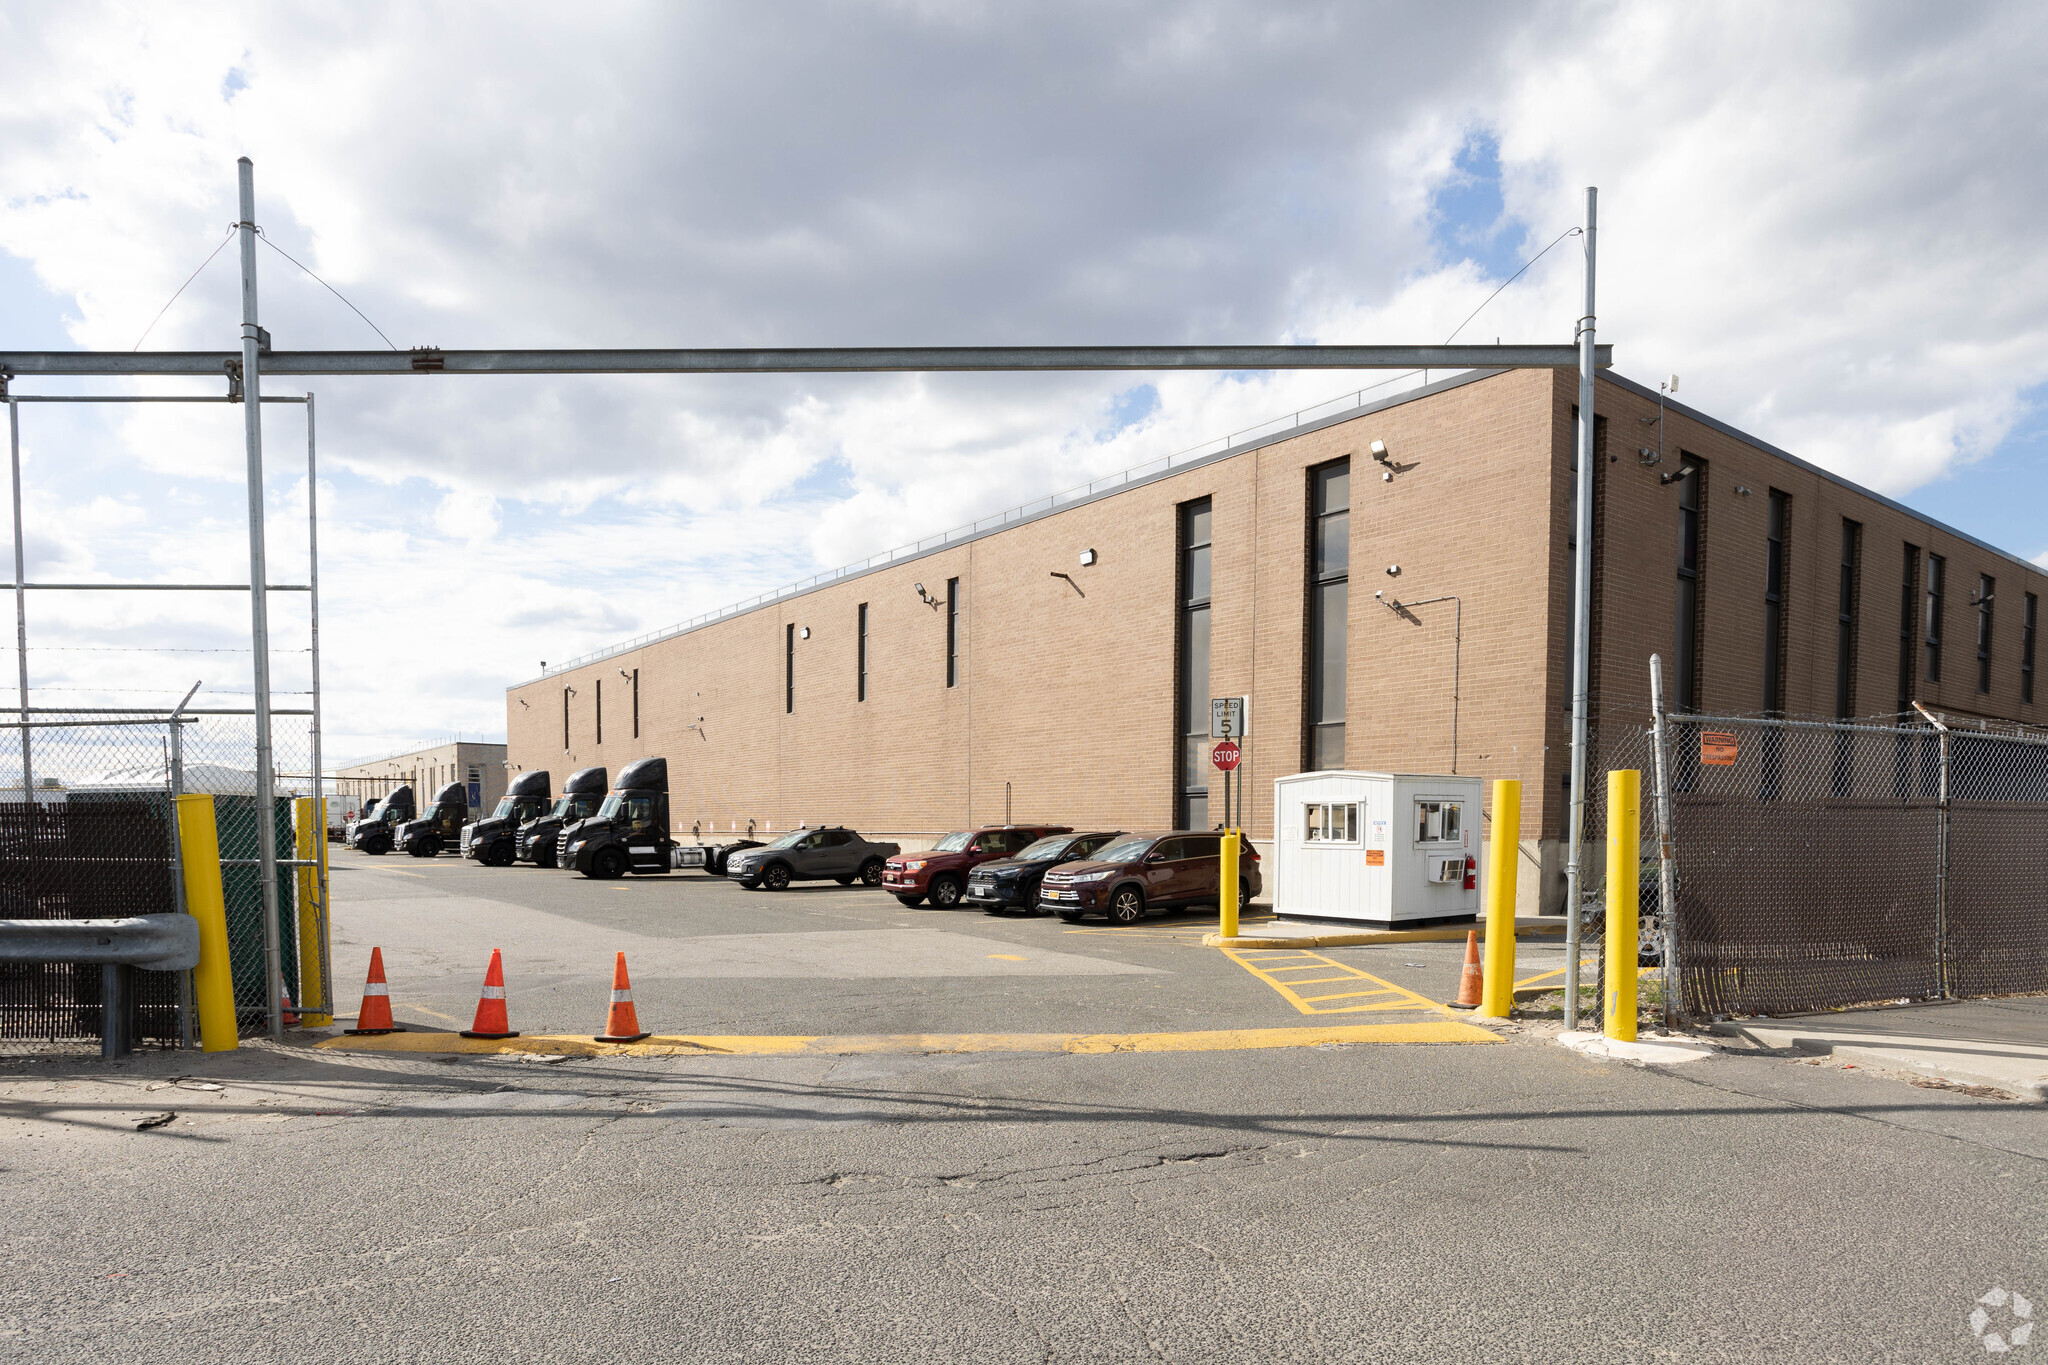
(1525, 925)
(1959, 1062)
(1602, 1048)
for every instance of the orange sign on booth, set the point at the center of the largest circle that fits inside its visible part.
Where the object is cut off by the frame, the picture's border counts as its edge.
(1717, 748)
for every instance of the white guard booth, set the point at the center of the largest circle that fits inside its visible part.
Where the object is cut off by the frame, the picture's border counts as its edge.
(1385, 848)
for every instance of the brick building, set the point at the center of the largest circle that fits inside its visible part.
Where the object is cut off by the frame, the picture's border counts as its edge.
(479, 767)
(1058, 665)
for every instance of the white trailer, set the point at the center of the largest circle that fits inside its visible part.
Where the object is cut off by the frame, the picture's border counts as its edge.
(1385, 848)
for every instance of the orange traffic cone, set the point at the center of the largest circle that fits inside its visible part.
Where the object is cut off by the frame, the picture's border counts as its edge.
(375, 1015)
(622, 1025)
(291, 1016)
(1473, 981)
(490, 1006)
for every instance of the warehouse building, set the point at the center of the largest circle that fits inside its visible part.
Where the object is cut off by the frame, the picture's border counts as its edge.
(1389, 586)
(479, 767)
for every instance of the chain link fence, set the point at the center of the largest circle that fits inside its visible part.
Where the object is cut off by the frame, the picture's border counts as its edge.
(1823, 865)
(88, 831)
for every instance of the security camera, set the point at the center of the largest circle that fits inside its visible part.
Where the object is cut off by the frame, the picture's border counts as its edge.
(1087, 558)
(1393, 570)
(1379, 451)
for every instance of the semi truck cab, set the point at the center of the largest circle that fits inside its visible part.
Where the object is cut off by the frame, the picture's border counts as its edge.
(440, 828)
(492, 840)
(373, 832)
(581, 796)
(629, 833)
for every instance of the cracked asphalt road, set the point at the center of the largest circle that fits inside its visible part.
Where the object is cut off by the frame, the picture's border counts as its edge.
(1322, 1204)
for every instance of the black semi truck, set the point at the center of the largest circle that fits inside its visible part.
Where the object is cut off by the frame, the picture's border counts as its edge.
(629, 833)
(493, 840)
(440, 827)
(372, 833)
(581, 795)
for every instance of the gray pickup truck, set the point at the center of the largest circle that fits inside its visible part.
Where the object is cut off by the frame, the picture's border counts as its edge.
(832, 853)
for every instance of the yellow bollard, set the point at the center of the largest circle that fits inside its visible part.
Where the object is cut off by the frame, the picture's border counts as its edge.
(1624, 854)
(1226, 894)
(315, 1009)
(1497, 990)
(213, 980)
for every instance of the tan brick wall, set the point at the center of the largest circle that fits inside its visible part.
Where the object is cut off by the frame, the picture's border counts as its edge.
(1066, 692)
(427, 769)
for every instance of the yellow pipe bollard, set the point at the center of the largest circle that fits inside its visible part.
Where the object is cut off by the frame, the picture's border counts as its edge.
(315, 1009)
(1497, 989)
(213, 980)
(1624, 857)
(1226, 893)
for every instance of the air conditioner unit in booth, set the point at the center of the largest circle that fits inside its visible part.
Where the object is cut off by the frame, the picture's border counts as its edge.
(1384, 848)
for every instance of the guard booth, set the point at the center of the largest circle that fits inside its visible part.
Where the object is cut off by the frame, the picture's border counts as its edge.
(1382, 848)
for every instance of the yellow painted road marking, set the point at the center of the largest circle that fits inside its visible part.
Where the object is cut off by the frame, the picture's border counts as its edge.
(1212, 1040)
(1379, 995)
(1006, 957)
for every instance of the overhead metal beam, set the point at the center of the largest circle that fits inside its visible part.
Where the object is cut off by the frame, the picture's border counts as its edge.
(801, 360)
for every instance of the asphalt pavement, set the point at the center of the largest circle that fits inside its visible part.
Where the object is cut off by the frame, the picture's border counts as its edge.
(1507, 1202)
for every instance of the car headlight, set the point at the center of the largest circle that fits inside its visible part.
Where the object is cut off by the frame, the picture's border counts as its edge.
(1090, 877)
(917, 866)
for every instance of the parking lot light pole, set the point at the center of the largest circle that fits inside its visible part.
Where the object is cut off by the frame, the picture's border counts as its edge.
(1582, 629)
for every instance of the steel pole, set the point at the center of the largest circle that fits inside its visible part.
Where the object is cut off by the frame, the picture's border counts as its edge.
(20, 595)
(1582, 628)
(319, 778)
(1667, 875)
(259, 608)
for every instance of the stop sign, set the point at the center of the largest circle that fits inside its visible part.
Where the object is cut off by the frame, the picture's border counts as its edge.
(1225, 755)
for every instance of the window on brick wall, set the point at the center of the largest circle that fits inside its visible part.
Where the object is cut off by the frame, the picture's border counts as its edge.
(1329, 596)
(1191, 764)
(565, 718)
(1937, 571)
(2029, 613)
(952, 632)
(636, 703)
(1987, 591)
(1909, 591)
(1845, 619)
(598, 703)
(1774, 603)
(789, 669)
(1691, 542)
(860, 662)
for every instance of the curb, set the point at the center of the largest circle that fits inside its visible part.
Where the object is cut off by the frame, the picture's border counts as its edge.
(1602, 1048)
(1361, 937)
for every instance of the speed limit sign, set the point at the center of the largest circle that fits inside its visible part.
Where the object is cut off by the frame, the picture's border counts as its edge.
(1226, 754)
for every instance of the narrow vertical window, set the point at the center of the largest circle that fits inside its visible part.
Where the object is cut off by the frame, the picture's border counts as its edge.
(1987, 588)
(1685, 646)
(600, 710)
(789, 669)
(1774, 605)
(860, 660)
(1909, 589)
(1329, 589)
(2030, 611)
(1845, 619)
(565, 719)
(952, 631)
(1192, 762)
(1937, 570)
(636, 703)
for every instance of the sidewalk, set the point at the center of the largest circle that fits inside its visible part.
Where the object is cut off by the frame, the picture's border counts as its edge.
(1327, 934)
(1999, 1043)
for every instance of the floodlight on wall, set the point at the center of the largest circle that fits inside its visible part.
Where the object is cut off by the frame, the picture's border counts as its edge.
(624, 674)
(1379, 452)
(922, 595)
(1393, 570)
(1087, 558)
(804, 634)
(1684, 470)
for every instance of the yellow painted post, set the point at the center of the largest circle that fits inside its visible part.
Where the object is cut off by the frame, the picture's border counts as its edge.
(1624, 856)
(315, 1009)
(1497, 989)
(1227, 892)
(213, 980)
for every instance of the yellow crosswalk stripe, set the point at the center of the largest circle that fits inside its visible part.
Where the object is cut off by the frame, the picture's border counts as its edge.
(1375, 994)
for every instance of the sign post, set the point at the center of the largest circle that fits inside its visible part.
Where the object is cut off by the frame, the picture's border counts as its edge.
(1227, 724)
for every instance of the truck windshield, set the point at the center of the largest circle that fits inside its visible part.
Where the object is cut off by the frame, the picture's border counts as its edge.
(566, 806)
(610, 806)
(953, 842)
(506, 806)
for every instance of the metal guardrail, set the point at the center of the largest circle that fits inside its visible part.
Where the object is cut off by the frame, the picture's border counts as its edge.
(161, 943)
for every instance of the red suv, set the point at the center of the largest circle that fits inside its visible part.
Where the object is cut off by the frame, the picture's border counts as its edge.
(1140, 873)
(941, 870)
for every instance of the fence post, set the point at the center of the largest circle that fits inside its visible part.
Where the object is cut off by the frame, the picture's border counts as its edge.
(1667, 878)
(1497, 981)
(315, 1009)
(1624, 866)
(213, 980)
(1941, 963)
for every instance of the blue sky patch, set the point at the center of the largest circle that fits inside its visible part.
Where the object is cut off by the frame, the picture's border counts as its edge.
(1468, 216)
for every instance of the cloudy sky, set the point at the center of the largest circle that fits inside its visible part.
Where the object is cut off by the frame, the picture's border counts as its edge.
(1827, 218)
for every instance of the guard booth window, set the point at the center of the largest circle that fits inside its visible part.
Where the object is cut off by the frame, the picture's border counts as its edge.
(1193, 760)
(1437, 822)
(1330, 823)
(1987, 588)
(1329, 572)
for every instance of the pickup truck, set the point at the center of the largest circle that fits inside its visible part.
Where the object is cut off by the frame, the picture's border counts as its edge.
(833, 853)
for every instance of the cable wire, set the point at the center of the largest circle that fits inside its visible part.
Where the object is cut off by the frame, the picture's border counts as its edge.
(181, 289)
(325, 285)
(1568, 232)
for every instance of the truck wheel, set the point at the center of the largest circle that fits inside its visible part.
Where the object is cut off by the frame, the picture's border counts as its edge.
(416, 847)
(606, 864)
(946, 892)
(546, 857)
(431, 847)
(375, 849)
(1127, 906)
(499, 854)
(775, 877)
(871, 872)
(912, 901)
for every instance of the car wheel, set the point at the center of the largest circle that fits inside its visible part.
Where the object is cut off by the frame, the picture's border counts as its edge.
(1127, 906)
(1071, 916)
(844, 881)
(606, 864)
(871, 872)
(946, 892)
(749, 883)
(775, 877)
(1244, 892)
(911, 901)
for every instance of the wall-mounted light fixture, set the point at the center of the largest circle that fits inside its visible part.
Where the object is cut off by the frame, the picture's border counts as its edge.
(1683, 471)
(1741, 490)
(624, 674)
(804, 634)
(1393, 570)
(1087, 558)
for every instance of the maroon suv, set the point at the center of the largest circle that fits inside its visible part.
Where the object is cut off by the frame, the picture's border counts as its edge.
(941, 870)
(1145, 872)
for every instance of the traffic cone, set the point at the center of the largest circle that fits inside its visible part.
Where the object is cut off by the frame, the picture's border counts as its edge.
(1473, 981)
(375, 1015)
(490, 1006)
(291, 1016)
(622, 1025)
